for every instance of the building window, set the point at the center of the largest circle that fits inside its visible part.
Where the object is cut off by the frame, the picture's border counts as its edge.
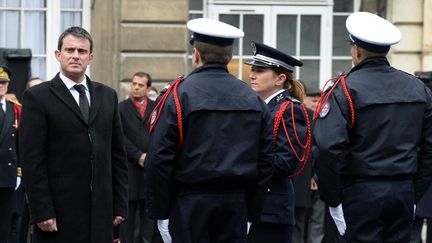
(299, 30)
(341, 57)
(36, 24)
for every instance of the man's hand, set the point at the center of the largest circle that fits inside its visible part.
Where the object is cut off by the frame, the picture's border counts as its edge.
(338, 217)
(313, 185)
(141, 159)
(118, 220)
(49, 225)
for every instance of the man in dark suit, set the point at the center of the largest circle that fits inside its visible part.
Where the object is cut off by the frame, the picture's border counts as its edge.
(75, 169)
(134, 113)
(9, 178)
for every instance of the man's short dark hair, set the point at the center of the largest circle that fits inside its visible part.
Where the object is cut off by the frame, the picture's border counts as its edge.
(77, 32)
(144, 75)
(213, 53)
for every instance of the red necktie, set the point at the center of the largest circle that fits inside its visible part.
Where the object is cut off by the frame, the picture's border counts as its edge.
(141, 106)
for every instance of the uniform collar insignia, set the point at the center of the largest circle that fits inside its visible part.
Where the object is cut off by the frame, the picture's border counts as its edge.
(279, 97)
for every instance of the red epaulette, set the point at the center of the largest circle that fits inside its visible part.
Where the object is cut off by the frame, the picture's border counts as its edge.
(160, 105)
(17, 110)
(329, 86)
(306, 146)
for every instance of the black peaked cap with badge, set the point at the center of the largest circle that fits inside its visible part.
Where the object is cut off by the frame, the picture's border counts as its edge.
(266, 56)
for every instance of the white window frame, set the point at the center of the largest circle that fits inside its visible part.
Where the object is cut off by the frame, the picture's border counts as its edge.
(53, 32)
(215, 11)
(270, 12)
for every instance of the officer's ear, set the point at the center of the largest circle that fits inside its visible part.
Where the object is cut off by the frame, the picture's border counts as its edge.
(280, 79)
(196, 56)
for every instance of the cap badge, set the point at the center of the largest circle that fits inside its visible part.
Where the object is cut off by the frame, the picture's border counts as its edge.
(325, 110)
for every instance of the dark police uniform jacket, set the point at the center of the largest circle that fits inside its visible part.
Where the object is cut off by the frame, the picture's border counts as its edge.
(227, 142)
(392, 132)
(279, 202)
(136, 139)
(74, 170)
(8, 148)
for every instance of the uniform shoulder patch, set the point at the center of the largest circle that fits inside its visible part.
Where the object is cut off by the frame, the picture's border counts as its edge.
(325, 110)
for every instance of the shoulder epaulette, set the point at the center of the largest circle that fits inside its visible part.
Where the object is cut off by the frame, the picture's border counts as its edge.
(14, 101)
(293, 99)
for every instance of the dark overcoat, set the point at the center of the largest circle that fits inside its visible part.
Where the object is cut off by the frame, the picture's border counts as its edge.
(74, 171)
(136, 139)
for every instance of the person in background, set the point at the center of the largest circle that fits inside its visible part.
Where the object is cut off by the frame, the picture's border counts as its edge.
(309, 209)
(10, 171)
(209, 161)
(373, 130)
(34, 81)
(134, 113)
(272, 79)
(152, 93)
(74, 161)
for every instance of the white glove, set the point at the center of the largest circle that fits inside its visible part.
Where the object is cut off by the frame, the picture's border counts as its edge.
(18, 183)
(164, 230)
(338, 217)
(248, 227)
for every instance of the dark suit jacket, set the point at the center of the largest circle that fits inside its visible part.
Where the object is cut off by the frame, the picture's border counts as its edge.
(8, 149)
(136, 139)
(75, 171)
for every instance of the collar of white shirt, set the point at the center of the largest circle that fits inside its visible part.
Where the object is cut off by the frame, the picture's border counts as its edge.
(3, 104)
(70, 83)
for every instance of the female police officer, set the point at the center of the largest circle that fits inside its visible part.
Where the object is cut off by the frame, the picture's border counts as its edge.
(272, 78)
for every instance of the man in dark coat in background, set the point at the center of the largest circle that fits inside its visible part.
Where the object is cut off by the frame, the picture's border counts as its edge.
(134, 114)
(74, 161)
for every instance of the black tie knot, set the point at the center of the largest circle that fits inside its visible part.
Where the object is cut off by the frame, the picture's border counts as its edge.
(80, 88)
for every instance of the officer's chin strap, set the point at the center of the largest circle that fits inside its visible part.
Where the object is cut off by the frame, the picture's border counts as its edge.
(160, 105)
(305, 146)
(325, 95)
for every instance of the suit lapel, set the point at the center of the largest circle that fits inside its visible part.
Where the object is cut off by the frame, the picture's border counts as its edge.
(95, 97)
(60, 90)
(9, 117)
(133, 109)
(149, 109)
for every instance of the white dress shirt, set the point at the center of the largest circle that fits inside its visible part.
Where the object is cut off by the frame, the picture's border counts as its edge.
(70, 86)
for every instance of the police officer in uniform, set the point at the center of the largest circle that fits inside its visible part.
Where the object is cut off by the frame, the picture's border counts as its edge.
(209, 160)
(374, 134)
(10, 172)
(272, 78)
